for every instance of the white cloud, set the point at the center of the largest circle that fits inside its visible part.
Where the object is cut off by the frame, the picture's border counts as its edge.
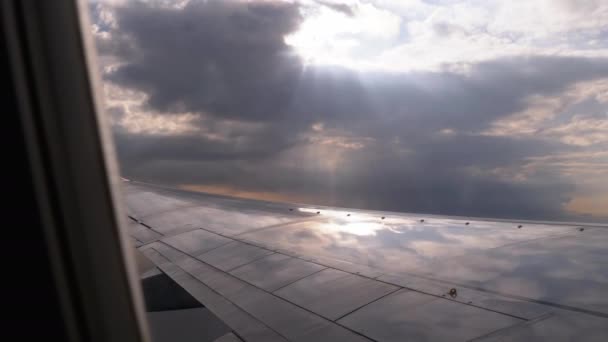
(551, 117)
(543, 18)
(413, 35)
(138, 122)
(581, 131)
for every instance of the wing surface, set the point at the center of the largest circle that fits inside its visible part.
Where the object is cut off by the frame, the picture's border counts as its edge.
(287, 272)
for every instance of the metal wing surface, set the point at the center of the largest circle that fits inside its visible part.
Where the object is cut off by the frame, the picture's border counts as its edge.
(287, 272)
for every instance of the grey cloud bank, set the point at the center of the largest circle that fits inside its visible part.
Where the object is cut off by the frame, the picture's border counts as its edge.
(263, 120)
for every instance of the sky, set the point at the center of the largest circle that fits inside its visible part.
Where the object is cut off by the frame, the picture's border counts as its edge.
(470, 108)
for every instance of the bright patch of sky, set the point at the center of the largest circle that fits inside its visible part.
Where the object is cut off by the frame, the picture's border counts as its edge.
(405, 35)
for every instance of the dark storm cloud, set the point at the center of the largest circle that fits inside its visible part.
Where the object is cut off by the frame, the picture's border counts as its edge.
(264, 143)
(228, 58)
(228, 61)
(435, 179)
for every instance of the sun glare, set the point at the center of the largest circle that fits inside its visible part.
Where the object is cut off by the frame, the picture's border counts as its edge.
(319, 41)
(331, 37)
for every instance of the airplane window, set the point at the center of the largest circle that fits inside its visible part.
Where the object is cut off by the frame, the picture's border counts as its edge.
(306, 170)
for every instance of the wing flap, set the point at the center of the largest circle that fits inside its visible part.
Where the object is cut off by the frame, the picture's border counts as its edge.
(282, 317)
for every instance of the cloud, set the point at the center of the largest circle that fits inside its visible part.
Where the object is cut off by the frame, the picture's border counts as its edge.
(205, 54)
(332, 36)
(338, 7)
(209, 94)
(431, 34)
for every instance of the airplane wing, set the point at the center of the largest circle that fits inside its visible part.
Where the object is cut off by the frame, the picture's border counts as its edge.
(288, 272)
